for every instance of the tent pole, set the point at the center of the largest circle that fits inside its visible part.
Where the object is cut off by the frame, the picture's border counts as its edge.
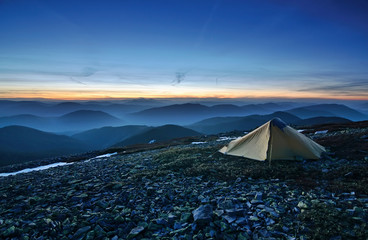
(270, 148)
(270, 157)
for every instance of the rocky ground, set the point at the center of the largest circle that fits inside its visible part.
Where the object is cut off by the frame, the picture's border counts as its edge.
(193, 192)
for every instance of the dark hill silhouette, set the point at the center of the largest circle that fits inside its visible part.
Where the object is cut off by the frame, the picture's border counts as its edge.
(8, 108)
(321, 120)
(159, 134)
(76, 121)
(57, 109)
(107, 136)
(21, 144)
(177, 113)
(26, 120)
(228, 124)
(88, 119)
(328, 110)
(192, 112)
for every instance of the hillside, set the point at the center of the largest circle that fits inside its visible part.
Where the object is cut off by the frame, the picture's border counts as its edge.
(80, 120)
(107, 136)
(228, 124)
(191, 112)
(177, 113)
(87, 119)
(159, 134)
(194, 192)
(321, 120)
(21, 144)
(51, 109)
(328, 110)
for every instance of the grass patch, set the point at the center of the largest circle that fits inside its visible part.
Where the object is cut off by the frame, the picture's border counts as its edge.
(211, 164)
(322, 221)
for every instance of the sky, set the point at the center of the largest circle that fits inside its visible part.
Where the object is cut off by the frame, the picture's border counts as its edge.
(120, 49)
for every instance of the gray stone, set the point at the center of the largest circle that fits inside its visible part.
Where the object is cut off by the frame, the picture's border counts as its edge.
(203, 214)
(135, 231)
(81, 231)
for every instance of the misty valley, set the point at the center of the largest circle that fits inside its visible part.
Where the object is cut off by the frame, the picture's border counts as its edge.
(33, 130)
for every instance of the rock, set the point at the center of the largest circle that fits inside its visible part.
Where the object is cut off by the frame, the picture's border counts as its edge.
(185, 217)
(9, 232)
(255, 201)
(135, 231)
(177, 225)
(81, 231)
(302, 205)
(203, 214)
(244, 236)
(161, 221)
(269, 221)
(90, 235)
(229, 219)
(253, 218)
(241, 221)
(218, 212)
(258, 196)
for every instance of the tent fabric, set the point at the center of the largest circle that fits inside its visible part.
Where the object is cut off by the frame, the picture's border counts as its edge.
(274, 141)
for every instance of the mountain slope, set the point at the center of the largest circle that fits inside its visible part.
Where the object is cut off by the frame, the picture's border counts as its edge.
(328, 110)
(228, 124)
(76, 121)
(159, 134)
(192, 112)
(88, 119)
(321, 120)
(107, 136)
(177, 113)
(21, 144)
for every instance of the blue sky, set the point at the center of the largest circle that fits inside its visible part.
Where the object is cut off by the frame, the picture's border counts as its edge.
(124, 49)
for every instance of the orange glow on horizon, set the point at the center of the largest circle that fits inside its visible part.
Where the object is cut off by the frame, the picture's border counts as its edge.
(184, 93)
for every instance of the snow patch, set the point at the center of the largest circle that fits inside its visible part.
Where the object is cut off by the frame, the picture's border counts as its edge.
(321, 132)
(58, 164)
(195, 143)
(35, 169)
(101, 156)
(226, 138)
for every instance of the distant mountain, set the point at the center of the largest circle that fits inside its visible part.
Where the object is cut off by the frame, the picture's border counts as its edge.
(321, 120)
(191, 112)
(159, 134)
(21, 144)
(56, 109)
(26, 120)
(76, 121)
(328, 110)
(228, 124)
(107, 136)
(177, 113)
(9, 108)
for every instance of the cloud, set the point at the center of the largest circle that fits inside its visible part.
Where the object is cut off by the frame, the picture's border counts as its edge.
(207, 23)
(77, 81)
(179, 77)
(348, 87)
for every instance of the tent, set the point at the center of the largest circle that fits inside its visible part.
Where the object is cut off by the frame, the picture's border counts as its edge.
(274, 140)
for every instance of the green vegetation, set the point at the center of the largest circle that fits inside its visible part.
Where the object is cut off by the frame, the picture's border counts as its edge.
(207, 162)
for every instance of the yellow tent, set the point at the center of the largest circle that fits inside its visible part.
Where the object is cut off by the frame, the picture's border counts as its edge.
(274, 140)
